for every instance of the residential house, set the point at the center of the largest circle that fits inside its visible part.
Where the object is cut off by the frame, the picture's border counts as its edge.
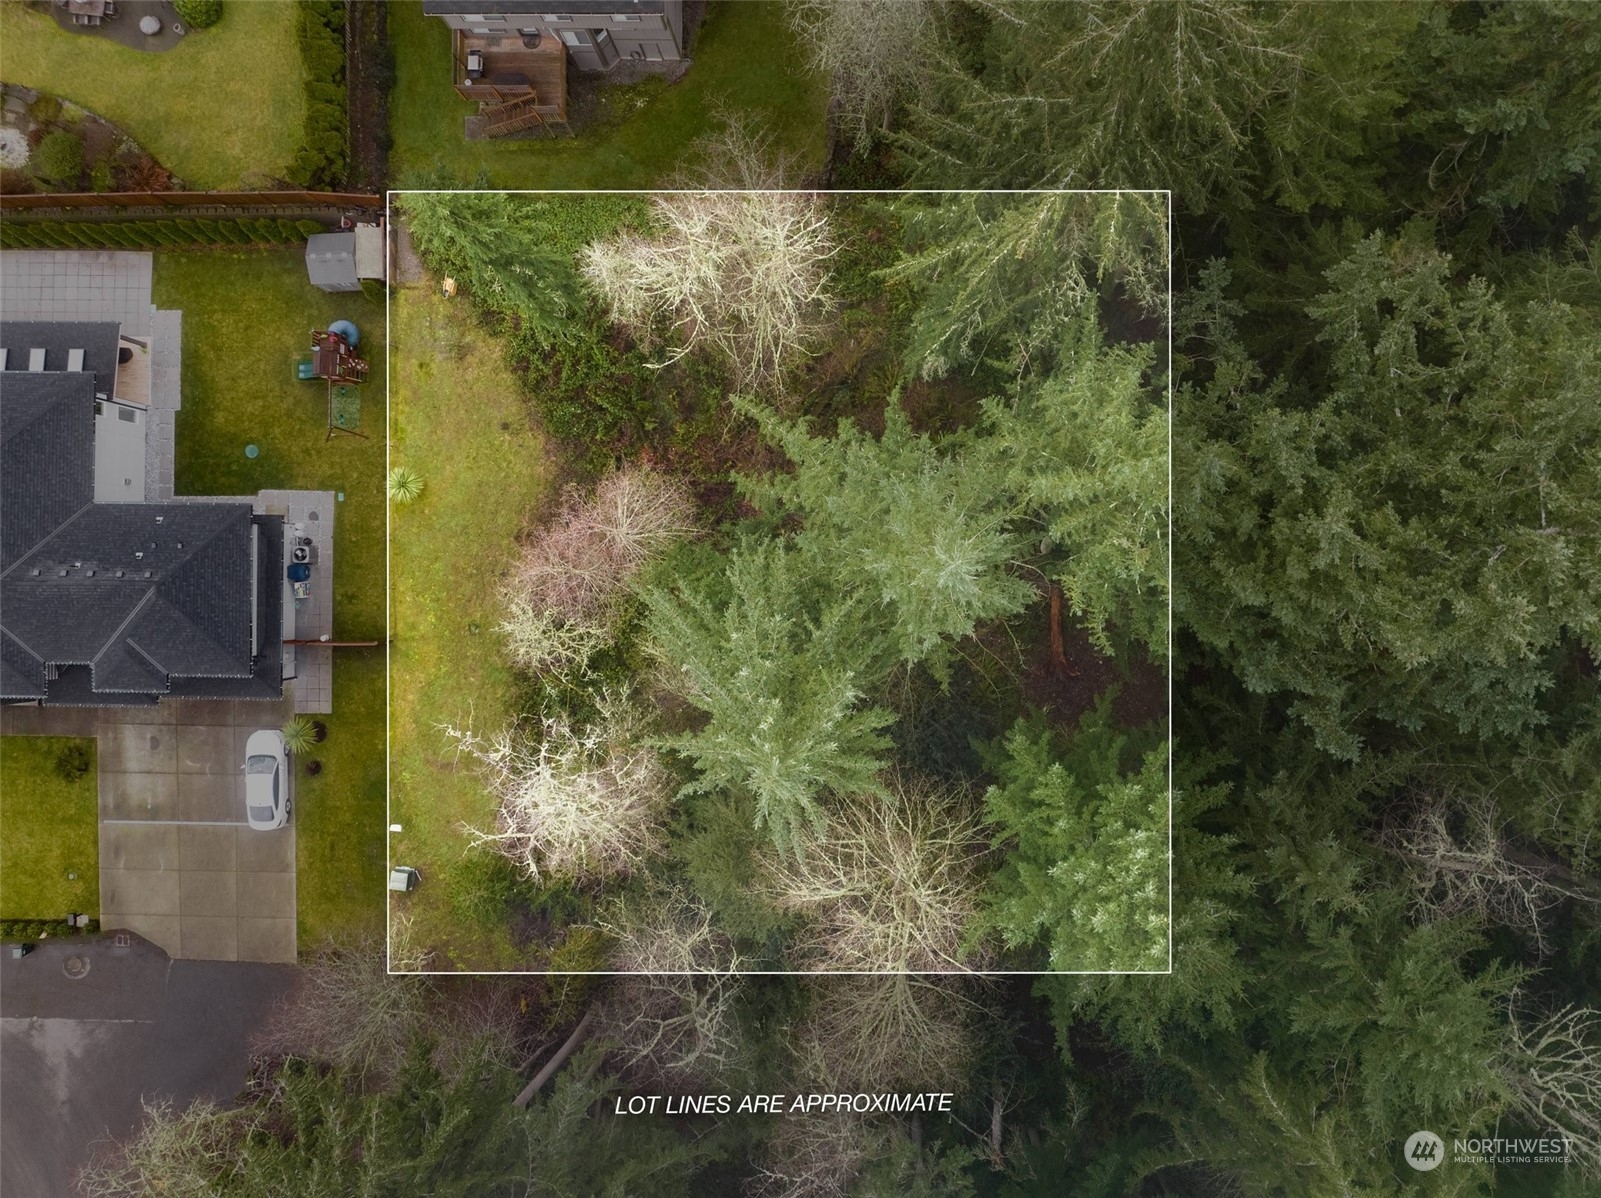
(110, 596)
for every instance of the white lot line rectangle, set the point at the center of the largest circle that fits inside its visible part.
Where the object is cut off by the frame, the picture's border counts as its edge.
(389, 409)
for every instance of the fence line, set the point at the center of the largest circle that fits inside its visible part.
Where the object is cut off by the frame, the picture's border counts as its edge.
(116, 203)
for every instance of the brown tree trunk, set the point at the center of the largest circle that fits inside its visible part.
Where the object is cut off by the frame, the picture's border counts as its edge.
(555, 1062)
(1059, 660)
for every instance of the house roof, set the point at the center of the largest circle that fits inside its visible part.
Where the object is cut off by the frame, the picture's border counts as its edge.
(46, 456)
(108, 602)
(331, 260)
(58, 338)
(459, 8)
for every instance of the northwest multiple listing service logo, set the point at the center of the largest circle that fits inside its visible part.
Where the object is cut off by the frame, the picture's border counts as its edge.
(1424, 1150)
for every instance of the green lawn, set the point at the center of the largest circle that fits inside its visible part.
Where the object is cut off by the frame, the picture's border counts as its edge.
(224, 105)
(745, 62)
(245, 317)
(49, 828)
(459, 422)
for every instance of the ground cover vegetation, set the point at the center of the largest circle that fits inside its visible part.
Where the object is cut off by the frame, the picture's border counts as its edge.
(1385, 890)
(738, 632)
(223, 109)
(49, 832)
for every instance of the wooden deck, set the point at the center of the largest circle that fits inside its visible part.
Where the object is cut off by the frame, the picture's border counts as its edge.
(533, 79)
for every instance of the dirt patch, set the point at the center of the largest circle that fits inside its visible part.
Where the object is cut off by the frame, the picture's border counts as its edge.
(1065, 693)
(369, 74)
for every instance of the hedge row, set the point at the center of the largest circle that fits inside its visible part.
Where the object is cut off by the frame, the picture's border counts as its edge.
(325, 154)
(13, 930)
(154, 234)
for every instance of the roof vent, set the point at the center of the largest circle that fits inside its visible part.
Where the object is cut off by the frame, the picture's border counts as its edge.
(61, 573)
(139, 554)
(147, 573)
(119, 573)
(159, 519)
(89, 573)
(36, 571)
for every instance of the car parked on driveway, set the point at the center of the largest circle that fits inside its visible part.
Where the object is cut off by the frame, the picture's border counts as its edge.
(266, 780)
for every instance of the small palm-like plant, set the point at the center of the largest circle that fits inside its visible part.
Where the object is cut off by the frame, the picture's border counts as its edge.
(299, 734)
(405, 484)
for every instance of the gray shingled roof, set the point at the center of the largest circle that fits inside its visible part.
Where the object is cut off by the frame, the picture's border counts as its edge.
(46, 456)
(97, 339)
(118, 602)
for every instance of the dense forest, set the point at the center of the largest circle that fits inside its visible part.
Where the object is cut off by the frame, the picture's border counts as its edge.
(1387, 627)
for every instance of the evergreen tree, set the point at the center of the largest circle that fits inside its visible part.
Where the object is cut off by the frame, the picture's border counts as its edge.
(919, 530)
(1086, 863)
(1087, 450)
(779, 665)
(504, 259)
(1401, 534)
(1004, 279)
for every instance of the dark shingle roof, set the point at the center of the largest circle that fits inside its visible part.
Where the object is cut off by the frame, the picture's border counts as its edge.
(46, 457)
(139, 591)
(97, 339)
(115, 603)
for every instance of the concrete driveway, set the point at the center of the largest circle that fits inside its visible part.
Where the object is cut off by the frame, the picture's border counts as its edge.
(178, 863)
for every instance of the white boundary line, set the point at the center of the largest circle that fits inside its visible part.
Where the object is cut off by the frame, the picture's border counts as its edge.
(389, 410)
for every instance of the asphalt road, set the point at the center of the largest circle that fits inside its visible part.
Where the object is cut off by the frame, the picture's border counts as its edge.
(78, 1055)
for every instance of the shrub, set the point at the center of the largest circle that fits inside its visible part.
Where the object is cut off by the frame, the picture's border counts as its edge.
(198, 14)
(298, 734)
(100, 178)
(73, 762)
(59, 158)
(405, 484)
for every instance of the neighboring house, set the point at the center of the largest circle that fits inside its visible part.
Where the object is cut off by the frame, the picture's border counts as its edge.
(106, 598)
(596, 34)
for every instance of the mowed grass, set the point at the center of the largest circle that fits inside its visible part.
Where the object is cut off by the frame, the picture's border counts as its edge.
(458, 421)
(49, 828)
(745, 62)
(246, 315)
(224, 105)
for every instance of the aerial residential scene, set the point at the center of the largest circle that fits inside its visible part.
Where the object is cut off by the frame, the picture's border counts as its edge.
(800, 598)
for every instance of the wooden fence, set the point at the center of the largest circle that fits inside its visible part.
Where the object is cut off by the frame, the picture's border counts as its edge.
(120, 203)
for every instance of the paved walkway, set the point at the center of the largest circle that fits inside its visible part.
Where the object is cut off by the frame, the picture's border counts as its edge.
(308, 514)
(178, 863)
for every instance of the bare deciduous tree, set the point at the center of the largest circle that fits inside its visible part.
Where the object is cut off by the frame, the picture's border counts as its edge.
(672, 1016)
(583, 804)
(881, 1032)
(819, 1156)
(742, 272)
(1459, 863)
(1552, 1071)
(349, 1010)
(576, 563)
(178, 1154)
(890, 883)
(875, 52)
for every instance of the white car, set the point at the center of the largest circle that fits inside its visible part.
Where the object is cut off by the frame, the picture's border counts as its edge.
(266, 780)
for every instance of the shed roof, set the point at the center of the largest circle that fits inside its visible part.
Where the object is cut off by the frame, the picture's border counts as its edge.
(331, 260)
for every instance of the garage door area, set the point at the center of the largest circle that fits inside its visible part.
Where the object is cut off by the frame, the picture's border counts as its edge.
(178, 863)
